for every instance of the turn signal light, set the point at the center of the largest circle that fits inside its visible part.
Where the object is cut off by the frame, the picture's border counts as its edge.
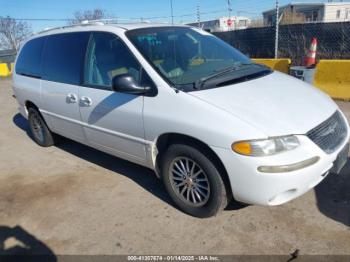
(243, 148)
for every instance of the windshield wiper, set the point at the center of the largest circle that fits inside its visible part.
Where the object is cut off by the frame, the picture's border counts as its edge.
(200, 83)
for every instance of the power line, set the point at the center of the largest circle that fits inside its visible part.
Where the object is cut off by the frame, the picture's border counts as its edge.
(40, 19)
(153, 17)
(195, 15)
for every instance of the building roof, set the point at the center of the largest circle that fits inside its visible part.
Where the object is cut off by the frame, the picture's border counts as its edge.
(218, 19)
(309, 4)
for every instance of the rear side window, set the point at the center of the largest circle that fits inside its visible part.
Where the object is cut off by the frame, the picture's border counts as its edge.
(63, 57)
(29, 59)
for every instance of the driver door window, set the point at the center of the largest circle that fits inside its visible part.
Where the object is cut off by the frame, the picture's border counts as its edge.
(107, 57)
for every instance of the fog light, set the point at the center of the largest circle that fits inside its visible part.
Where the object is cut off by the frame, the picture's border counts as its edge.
(288, 168)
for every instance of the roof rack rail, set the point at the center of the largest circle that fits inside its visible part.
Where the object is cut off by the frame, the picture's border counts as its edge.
(117, 20)
(82, 23)
(100, 22)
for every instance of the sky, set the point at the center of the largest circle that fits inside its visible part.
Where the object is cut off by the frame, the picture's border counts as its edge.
(153, 10)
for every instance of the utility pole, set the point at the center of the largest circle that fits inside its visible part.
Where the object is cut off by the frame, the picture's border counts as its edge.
(172, 12)
(277, 28)
(229, 8)
(198, 16)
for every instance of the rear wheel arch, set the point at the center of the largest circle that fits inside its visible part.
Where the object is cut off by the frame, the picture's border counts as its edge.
(39, 130)
(165, 140)
(30, 104)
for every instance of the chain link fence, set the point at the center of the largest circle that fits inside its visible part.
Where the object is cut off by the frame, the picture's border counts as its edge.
(294, 41)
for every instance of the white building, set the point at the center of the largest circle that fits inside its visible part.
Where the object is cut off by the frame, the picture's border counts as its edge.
(313, 12)
(224, 24)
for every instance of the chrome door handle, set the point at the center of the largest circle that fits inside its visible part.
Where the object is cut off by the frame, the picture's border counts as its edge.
(71, 98)
(85, 101)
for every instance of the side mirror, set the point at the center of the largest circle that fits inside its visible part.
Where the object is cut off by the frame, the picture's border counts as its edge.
(125, 83)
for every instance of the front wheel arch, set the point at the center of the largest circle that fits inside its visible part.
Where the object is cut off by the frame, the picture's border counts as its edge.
(167, 139)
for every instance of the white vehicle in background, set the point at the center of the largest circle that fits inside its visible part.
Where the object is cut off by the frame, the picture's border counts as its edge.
(212, 124)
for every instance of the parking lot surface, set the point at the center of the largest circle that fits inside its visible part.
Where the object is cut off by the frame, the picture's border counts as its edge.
(71, 199)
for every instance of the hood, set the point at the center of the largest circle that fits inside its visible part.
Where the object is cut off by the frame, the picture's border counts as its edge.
(276, 104)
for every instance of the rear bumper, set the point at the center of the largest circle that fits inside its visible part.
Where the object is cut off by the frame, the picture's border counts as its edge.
(253, 187)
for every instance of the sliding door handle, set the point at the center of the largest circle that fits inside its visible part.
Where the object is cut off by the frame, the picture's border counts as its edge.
(71, 98)
(85, 101)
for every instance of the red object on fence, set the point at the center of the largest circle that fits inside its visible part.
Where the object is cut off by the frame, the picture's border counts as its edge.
(310, 59)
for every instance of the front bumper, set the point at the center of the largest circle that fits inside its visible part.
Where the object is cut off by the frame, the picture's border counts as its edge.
(253, 187)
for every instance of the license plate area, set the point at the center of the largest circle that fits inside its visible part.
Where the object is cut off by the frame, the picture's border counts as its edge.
(341, 160)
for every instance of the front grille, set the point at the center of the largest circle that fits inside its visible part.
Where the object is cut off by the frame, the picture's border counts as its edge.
(330, 134)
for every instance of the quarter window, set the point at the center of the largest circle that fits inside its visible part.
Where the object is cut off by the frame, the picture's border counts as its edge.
(63, 57)
(107, 56)
(29, 59)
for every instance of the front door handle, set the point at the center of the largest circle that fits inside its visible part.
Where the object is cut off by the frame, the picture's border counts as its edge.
(71, 98)
(85, 101)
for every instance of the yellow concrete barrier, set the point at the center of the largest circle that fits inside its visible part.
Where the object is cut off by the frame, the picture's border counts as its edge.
(281, 65)
(333, 77)
(4, 70)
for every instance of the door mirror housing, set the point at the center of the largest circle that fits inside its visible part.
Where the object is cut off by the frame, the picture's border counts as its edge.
(125, 83)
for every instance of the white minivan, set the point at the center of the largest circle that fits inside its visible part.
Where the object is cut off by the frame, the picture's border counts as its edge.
(176, 99)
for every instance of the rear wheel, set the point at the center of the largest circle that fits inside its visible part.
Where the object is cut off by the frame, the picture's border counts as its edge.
(193, 181)
(39, 130)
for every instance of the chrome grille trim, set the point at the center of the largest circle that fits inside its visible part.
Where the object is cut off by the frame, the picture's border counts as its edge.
(330, 134)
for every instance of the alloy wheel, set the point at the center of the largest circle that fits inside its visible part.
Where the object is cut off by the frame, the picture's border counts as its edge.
(189, 181)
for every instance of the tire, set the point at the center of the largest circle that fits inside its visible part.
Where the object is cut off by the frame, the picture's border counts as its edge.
(39, 130)
(207, 205)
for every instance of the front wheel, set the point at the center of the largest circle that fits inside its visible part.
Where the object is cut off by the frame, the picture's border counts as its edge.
(193, 181)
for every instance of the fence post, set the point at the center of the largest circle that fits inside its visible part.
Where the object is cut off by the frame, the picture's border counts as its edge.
(277, 29)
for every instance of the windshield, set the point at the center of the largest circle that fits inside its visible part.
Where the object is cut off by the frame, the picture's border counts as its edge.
(184, 56)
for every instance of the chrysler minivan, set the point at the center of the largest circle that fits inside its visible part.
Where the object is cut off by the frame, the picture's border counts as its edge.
(176, 99)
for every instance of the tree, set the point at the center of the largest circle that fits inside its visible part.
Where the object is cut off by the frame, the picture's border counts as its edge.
(13, 32)
(94, 14)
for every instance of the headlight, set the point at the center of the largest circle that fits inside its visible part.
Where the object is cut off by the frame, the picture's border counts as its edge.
(266, 147)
